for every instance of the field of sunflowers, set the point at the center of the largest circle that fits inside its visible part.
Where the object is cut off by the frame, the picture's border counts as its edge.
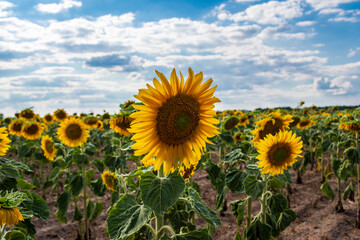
(169, 166)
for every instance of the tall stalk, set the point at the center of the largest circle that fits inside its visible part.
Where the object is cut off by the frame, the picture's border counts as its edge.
(85, 204)
(159, 221)
(248, 214)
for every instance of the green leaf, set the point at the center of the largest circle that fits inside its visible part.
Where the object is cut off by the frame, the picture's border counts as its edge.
(80, 159)
(277, 203)
(233, 156)
(285, 219)
(99, 165)
(76, 185)
(202, 210)
(327, 190)
(15, 235)
(126, 217)
(348, 189)
(127, 146)
(77, 214)
(285, 177)
(234, 181)
(54, 173)
(217, 179)
(23, 184)
(90, 149)
(95, 210)
(238, 207)
(201, 234)
(259, 231)
(35, 181)
(253, 187)
(39, 207)
(98, 187)
(326, 146)
(352, 155)
(16, 164)
(226, 137)
(63, 203)
(161, 193)
(9, 171)
(275, 183)
(89, 175)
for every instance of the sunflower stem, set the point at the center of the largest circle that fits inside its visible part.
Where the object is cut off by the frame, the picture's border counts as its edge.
(42, 178)
(79, 222)
(85, 205)
(248, 214)
(358, 178)
(263, 200)
(2, 231)
(159, 218)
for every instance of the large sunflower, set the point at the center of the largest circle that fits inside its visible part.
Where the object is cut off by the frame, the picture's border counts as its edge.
(32, 130)
(15, 127)
(72, 132)
(10, 216)
(60, 115)
(271, 125)
(48, 147)
(4, 141)
(175, 121)
(279, 151)
(121, 124)
(48, 119)
(27, 114)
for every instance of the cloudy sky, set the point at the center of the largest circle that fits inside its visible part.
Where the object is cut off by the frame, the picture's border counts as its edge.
(87, 55)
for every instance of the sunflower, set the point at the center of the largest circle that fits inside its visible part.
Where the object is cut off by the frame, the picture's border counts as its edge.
(128, 103)
(48, 147)
(15, 127)
(10, 216)
(91, 122)
(100, 125)
(4, 141)
(27, 114)
(277, 152)
(230, 123)
(105, 116)
(187, 172)
(48, 119)
(175, 121)
(121, 124)
(72, 132)
(109, 180)
(325, 114)
(32, 130)
(60, 115)
(237, 137)
(353, 126)
(271, 125)
(295, 122)
(7, 120)
(342, 125)
(340, 114)
(244, 120)
(149, 162)
(304, 123)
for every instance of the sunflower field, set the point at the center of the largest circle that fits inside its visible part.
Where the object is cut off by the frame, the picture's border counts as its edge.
(169, 166)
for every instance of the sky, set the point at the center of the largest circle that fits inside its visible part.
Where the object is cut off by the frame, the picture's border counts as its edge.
(90, 56)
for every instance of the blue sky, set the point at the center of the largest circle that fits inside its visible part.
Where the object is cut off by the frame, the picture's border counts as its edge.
(87, 55)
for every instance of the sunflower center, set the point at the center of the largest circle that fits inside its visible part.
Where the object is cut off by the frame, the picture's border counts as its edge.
(123, 122)
(271, 128)
(49, 146)
(279, 154)
(48, 118)
(110, 180)
(17, 127)
(304, 123)
(177, 119)
(73, 131)
(28, 114)
(60, 115)
(32, 130)
(231, 122)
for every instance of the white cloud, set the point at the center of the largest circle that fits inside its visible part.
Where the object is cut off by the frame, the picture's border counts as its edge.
(353, 52)
(321, 4)
(5, 5)
(54, 8)
(305, 23)
(272, 12)
(241, 1)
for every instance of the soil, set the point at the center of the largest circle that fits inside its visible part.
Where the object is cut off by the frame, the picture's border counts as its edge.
(316, 215)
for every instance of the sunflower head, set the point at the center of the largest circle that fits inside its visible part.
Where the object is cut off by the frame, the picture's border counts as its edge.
(48, 119)
(91, 122)
(244, 120)
(353, 126)
(175, 120)
(109, 180)
(313, 108)
(100, 125)
(47, 145)
(9, 213)
(278, 152)
(237, 137)
(187, 172)
(271, 125)
(60, 115)
(121, 124)
(15, 127)
(27, 114)
(230, 123)
(301, 103)
(105, 116)
(304, 123)
(72, 132)
(295, 122)
(32, 130)
(127, 104)
(4, 141)
(7, 120)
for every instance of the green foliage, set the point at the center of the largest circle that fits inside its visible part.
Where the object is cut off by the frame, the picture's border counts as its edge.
(253, 187)
(327, 190)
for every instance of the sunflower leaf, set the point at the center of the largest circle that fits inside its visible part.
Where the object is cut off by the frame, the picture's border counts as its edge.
(253, 187)
(160, 194)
